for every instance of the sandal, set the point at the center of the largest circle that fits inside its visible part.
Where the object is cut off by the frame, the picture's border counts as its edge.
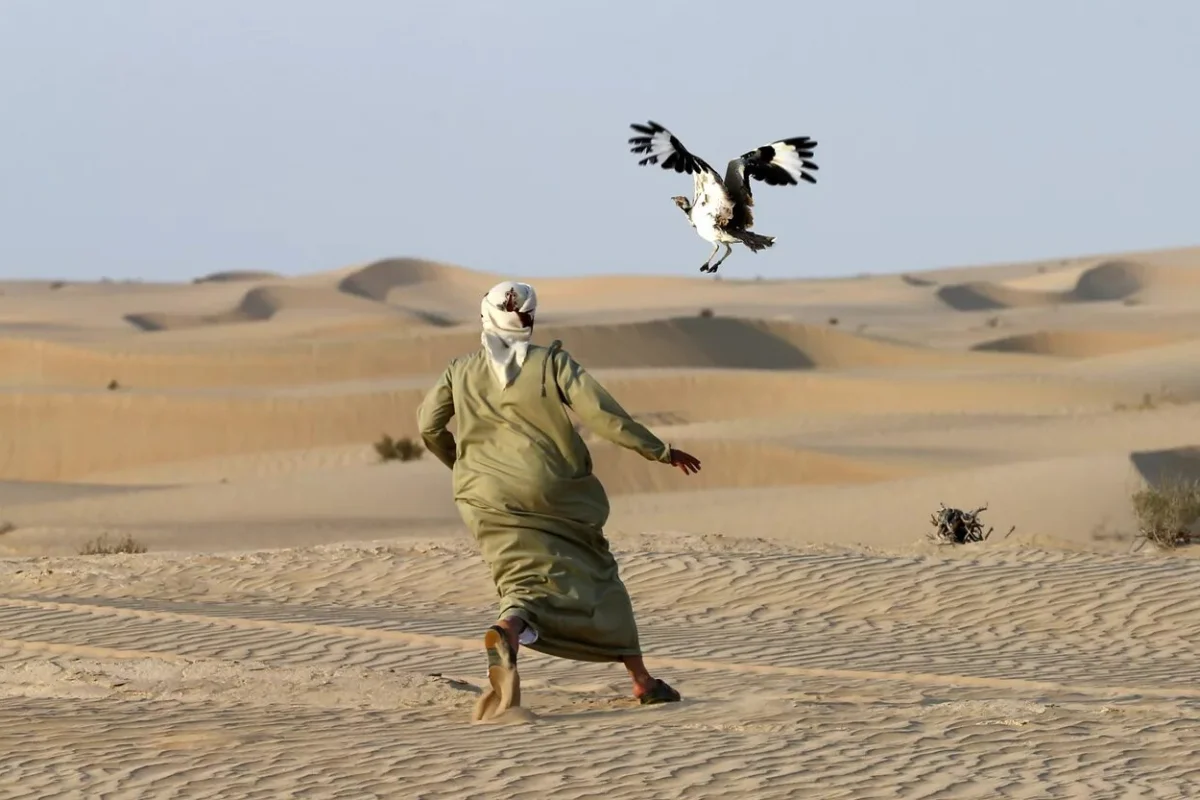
(660, 693)
(504, 690)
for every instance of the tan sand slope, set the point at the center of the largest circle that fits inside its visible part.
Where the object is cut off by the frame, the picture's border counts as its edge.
(1020, 271)
(126, 428)
(1164, 370)
(1079, 344)
(1064, 481)
(307, 620)
(398, 279)
(1105, 282)
(245, 502)
(262, 303)
(691, 342)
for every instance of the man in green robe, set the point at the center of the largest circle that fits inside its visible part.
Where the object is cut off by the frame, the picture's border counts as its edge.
(523, 484)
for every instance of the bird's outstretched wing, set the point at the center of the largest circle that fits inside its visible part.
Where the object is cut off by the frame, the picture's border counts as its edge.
(660, 145)
(781, 163)
(663, 148)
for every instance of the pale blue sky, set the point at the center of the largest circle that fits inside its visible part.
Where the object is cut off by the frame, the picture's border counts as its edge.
(166, 139)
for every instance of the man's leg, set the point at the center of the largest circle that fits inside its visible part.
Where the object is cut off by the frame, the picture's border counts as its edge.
(513, 627)
(504, 683)
(643, 681)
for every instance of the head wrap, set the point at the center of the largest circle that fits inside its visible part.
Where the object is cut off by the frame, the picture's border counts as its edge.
(505, 336)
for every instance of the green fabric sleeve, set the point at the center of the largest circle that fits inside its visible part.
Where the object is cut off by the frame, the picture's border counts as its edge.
(600, 411)
(432, 418)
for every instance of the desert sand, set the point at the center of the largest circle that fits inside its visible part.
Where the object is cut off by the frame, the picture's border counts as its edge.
(307, 621)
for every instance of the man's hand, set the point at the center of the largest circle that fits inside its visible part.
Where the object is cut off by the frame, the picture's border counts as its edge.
(685, 461)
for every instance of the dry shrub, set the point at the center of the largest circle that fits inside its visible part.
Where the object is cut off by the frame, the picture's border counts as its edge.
(6, 527)
(101, 546)
(955, 526)
(405, 449)
(1167, 512)
(706, 312)
(1151, 401)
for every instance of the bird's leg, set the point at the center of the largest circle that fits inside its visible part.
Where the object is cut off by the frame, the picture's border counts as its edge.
(705, 267)
(721, 260)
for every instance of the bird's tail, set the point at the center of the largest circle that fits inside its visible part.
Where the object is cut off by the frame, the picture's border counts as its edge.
(755, 241)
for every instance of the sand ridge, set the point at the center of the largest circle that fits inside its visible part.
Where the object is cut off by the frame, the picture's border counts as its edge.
(1080, 343)
(379, 352)
(306, 620)
(260, 304)
(1108, 281)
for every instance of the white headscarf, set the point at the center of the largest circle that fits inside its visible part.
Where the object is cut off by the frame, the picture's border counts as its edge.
(505, 339)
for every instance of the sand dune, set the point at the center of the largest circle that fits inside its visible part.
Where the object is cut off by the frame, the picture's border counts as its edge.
(230, 276)
(379, 280)
(1106, 282)
(126, 428)
(306, 621)
(1079, 344)
(1064, 480)
(1166, 369)
(692, 342)
(262, 303)
(736, 343)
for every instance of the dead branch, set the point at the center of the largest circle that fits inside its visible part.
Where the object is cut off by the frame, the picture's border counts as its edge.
(955, 526)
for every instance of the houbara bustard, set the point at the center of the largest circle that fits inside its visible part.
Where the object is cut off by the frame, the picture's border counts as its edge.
(720, 210)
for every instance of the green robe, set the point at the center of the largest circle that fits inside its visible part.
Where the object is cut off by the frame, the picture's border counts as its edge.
(523, 484)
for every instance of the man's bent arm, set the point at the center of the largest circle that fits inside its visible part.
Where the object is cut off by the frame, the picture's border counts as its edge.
(432, 418)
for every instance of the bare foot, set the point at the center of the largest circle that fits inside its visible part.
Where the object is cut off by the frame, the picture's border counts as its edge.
(646, 688)
(658, 691)
(504, 683)
(513, 626)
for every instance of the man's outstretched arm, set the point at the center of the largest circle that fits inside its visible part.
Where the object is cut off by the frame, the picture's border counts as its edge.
(601, 412)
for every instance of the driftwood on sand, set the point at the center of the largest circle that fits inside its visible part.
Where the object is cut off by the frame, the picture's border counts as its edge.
(955, 526)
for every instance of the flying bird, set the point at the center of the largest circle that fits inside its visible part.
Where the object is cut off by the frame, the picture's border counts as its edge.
(720, 209)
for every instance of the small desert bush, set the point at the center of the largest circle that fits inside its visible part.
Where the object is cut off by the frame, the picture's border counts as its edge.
(706, 312)
(6, 527)
(405, 449)
(1151, 401)
(101, 546)
(1166, 513)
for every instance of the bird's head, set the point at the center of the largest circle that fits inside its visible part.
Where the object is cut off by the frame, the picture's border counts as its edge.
(683, 203)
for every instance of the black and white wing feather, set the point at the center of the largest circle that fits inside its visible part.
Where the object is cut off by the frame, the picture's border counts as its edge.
(662, 147)
(782, 163)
